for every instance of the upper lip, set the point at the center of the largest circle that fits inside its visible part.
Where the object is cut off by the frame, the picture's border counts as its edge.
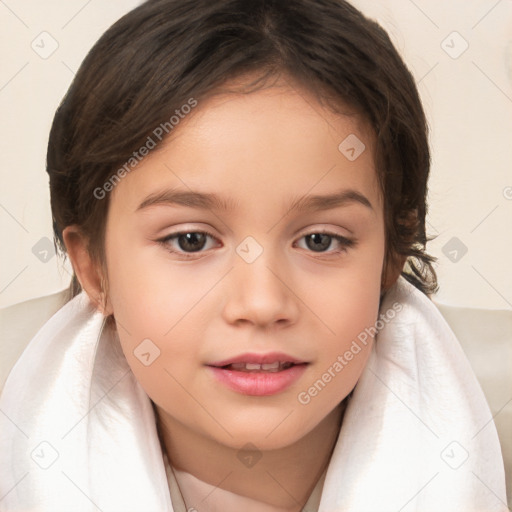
(270, 357)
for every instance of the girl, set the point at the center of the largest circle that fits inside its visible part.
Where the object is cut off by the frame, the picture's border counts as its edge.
(241, 189)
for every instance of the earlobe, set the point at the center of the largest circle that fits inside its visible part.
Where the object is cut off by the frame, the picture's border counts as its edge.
(87, 272)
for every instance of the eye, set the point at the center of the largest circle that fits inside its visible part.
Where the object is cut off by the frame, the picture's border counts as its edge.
(320, 241)
(187, 242)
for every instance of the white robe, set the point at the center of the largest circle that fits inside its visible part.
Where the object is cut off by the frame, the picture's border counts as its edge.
(78, 432)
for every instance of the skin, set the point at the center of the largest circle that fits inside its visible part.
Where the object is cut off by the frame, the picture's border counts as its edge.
(260, 151)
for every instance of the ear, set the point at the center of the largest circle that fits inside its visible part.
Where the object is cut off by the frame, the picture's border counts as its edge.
(88, 273)
(391, 270)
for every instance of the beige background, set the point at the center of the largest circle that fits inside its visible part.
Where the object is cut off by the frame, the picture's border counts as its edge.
(468, 100)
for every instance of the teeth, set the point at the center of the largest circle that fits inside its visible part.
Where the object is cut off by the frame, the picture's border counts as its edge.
(256, 367)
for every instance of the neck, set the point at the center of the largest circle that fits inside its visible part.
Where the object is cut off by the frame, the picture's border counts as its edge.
(281, 480)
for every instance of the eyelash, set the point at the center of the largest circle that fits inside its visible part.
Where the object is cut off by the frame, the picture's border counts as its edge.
(344, 242)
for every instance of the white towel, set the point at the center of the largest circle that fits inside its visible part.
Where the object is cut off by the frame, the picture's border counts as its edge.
(78, 433)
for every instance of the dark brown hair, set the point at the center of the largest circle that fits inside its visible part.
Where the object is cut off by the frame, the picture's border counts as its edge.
(161, 54)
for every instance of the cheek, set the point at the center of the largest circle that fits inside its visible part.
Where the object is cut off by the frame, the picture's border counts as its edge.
(349, 317)
(348, 300)
(149, 294)
(160, 313)
(344, 354)
(137, 309)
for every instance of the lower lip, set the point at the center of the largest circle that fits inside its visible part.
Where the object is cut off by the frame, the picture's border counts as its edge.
(259, 383)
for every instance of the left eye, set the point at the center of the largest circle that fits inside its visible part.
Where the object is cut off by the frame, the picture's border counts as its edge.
(321, 241)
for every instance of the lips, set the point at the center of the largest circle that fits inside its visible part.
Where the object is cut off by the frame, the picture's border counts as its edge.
(258, 374)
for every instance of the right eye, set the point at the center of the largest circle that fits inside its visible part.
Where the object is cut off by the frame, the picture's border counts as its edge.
(186, 242)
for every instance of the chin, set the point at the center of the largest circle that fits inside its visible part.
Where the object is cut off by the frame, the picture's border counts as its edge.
(272, 430)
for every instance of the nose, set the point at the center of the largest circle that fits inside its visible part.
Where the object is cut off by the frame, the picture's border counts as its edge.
(260, 293)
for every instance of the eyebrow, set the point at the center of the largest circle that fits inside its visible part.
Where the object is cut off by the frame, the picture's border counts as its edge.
(192, 199)
(209, 201)
(330, 201)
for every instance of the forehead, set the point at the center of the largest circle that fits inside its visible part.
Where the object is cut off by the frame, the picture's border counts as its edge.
(271, 142)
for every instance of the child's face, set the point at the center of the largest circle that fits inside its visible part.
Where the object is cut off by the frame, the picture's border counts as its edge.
(306, 298)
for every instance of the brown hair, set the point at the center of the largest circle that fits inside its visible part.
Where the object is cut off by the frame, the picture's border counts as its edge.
(161, 54)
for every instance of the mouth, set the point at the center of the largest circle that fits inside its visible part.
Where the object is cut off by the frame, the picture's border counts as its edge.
(257, 374)
(277, 366)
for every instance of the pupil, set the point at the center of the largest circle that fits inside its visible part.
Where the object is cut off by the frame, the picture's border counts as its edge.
(318, 238)
(192, 242)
